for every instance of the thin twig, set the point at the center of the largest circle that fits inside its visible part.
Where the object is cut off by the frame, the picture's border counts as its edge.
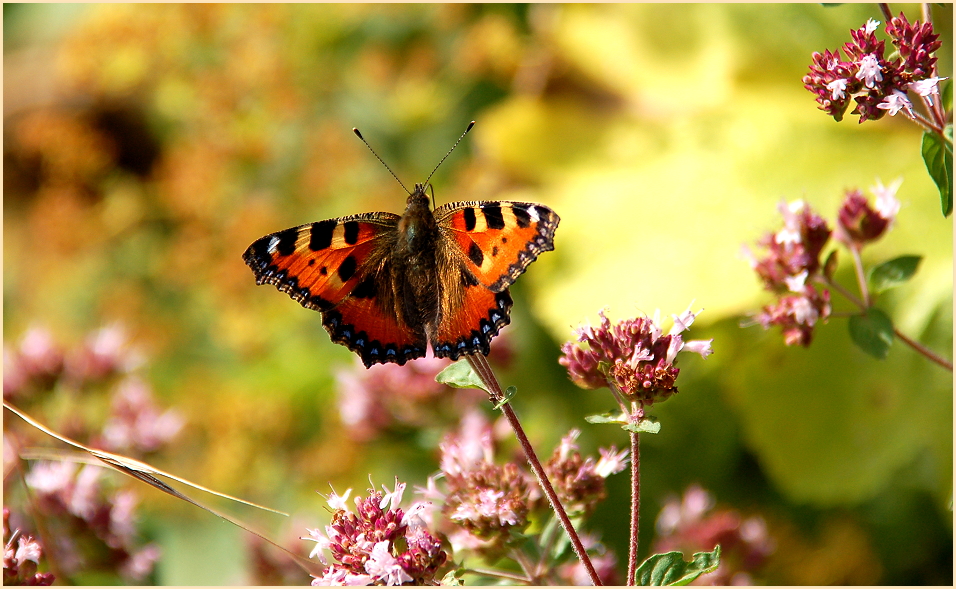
(530, 569)
(480, 364)
(924, 350)
(860, 276)
(843, 291)
(920, 348)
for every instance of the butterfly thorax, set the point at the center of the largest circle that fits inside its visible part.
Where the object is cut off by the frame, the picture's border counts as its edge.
(414, 264)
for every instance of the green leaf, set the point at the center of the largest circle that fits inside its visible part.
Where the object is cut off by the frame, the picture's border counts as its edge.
(938, 157)
(671, 568)
(509, 394)
(872, 332)
(946, 98)
(461, 376)
(453, 578)
(893, 273)
(648, 425)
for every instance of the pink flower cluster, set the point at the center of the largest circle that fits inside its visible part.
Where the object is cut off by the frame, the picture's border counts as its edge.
(877, 85)
(487, 506)
(96, 528)
(632, 356)
(693, 525)
(791, 261)
(39, 362)
(485, 501)
(481, 507)
(790, 266)
(378, 544)
(21, 556)
(91, 525)
(581, 482)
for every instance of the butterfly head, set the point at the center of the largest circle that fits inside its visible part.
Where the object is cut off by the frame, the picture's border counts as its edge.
(418, 198)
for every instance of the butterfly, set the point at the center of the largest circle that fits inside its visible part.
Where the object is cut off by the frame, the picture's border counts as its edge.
(388, 286)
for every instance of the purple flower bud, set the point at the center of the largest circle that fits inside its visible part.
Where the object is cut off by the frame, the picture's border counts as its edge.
(858, 223)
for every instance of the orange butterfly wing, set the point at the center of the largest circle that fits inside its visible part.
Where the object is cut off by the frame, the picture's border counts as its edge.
(334, 266)
(492, 243)
(498, 239)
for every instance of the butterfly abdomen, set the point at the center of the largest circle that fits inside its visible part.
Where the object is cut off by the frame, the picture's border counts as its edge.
(414, 270)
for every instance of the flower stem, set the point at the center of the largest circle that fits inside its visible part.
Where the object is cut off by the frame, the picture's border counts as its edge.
(843, 291)
(480, 364)
(933, 356)
(860, 276)
(635, 507)
(885, 9)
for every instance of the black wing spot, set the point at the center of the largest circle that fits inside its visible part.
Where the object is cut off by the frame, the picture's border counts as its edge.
(475, 254)
(347, 269)
(493, 216)
(522, 216)
(365, 289)
(351, 232)
(321, 235)
(286, 245)
(470, 220)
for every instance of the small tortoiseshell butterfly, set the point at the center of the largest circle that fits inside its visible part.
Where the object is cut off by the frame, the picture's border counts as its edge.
(389, 285)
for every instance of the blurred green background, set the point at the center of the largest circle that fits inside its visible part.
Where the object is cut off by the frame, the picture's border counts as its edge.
(146, 146)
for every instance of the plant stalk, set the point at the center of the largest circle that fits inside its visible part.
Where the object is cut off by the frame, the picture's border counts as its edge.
(480, 365)
(635, 507)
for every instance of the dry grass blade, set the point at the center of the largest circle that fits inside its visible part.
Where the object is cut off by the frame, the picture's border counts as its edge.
(147, 474)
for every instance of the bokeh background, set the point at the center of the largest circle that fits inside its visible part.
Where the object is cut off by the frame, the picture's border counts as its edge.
(146, 146)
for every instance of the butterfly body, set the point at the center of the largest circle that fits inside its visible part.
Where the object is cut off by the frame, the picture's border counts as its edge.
(389, 286)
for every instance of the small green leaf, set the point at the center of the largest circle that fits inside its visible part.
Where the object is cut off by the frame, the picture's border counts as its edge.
(453, 578)
(946, 98)
(509, 394)
(893, 273)
(461, 376)
(648, 425)
(873, 332)
(938, 157)
(671, 568)
(618, 417)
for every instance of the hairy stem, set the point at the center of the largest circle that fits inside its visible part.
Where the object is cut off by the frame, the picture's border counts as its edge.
(635, 507)
(480, 364)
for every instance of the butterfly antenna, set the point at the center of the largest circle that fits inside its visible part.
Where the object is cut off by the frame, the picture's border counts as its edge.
(470, 125)
(359, 135)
